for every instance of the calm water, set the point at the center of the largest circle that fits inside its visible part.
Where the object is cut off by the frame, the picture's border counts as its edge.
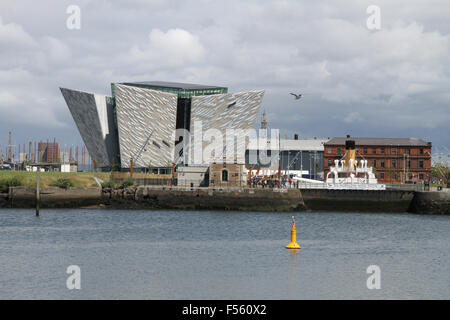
(221, 255)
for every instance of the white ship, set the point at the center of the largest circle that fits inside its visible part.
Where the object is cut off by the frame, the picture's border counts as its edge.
(349, 173)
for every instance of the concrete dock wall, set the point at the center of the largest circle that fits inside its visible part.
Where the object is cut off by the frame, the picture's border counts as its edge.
(159, 197)
(152, 197)
(20, 197)
(208, 199)
(358, 200)
(437, 202)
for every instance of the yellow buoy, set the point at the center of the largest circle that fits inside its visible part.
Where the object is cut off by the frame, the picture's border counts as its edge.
(293, 244)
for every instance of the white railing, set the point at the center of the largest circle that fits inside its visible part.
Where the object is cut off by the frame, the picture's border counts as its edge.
(343, 186)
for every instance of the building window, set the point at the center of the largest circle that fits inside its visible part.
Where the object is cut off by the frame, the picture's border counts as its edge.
(382, 175)
(330, 150)
(374, 150)
(421, 176)
(329, 162)
(338, 151)
(365, 151)
(382, 150)
(374, 163)
(421, 164)
(409, 164)
(225, 175)
(421, 151)
(393, 151)
(382, 163)
(393, 163)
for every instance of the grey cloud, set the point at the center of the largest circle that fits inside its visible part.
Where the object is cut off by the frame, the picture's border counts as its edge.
(394, 81)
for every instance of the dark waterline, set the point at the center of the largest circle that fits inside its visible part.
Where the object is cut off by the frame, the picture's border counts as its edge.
(221, 255)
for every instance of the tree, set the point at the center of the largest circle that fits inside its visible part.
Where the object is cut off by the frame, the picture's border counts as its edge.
(440, 171)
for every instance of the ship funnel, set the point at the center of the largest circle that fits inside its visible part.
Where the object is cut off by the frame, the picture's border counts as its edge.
(350, 154)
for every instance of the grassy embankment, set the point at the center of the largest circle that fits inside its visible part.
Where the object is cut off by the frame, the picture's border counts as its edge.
(50, 179)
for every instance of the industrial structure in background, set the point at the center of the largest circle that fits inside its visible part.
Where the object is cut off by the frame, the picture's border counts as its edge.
(46, 155)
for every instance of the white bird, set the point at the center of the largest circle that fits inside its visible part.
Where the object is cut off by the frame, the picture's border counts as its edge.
(297, 96)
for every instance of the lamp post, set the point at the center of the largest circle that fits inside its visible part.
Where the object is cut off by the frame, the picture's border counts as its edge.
(404, 167)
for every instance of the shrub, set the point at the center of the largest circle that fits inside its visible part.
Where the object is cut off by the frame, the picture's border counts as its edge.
(128, 182)
(10, 182)
(108, 184)
(63, 183)
(3, 186)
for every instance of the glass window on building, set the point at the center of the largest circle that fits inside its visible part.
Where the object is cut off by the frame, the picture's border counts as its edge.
(409, 164)
(382, 150)
(330, 150)
(393, 151)
(382, 175)
(365, 150)
(329, 162)
(225, 175)
(421, 164)
(374, 150)
(374, 163)
(394, 163)
(421, 176)
(382, 163)
(421, 151)
(338, 151)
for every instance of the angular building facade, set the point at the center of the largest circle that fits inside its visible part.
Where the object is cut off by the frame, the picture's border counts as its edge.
(141, 121)
(146, 122)
(237, 111)
(94, 116)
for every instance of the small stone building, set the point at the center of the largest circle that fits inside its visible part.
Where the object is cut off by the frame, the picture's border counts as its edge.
(193, 176)
(224, 175)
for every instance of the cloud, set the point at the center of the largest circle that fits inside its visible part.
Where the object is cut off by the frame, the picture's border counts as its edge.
(8, 100)
(389, 82)
(12, 36)
(174, 48)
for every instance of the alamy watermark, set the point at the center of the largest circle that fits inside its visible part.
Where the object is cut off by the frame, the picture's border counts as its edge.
(374, 280)
(74, 280)
(230, 145)
(373, 22)
(73, 21)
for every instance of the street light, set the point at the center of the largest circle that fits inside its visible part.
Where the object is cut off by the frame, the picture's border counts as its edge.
(404, 166)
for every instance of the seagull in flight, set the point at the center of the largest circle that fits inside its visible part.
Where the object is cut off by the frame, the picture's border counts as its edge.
(297, 96)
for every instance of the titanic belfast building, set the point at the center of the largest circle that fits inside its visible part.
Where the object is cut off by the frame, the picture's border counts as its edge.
(139, 120)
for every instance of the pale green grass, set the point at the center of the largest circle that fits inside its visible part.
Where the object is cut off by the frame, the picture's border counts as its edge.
(48, 179)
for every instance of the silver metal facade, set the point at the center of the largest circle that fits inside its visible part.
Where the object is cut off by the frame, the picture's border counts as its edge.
(94, 116)
(146, 124)
(226, 111)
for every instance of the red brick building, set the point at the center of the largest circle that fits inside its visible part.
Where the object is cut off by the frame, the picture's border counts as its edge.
(394, 160)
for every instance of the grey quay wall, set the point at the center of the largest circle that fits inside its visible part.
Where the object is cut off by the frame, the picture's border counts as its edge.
(285, 200)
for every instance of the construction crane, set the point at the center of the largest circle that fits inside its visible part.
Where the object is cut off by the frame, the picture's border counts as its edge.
(138, 155)
(293, 160)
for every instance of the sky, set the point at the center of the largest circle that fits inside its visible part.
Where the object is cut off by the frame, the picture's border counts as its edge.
(388, 82)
